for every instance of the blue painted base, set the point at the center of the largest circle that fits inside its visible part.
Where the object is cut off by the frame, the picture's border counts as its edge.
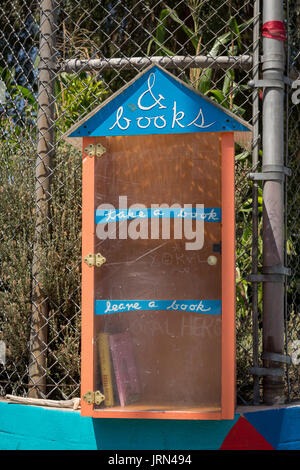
(36, 428)
(29, 427)
(281, 428)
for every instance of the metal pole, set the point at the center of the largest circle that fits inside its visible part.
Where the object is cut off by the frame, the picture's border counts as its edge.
(273, 200)
(201, 61)
(45, 152)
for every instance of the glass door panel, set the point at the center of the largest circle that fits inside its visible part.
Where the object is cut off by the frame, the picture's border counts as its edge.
(158, 295)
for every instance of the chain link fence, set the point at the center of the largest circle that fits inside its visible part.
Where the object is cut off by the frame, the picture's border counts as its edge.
(292, 201)
(58, 60)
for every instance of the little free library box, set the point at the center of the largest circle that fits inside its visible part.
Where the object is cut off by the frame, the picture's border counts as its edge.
(158, 252)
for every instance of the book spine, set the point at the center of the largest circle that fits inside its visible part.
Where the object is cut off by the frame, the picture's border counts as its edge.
(106, 369)
(124, 367)
(117, 368)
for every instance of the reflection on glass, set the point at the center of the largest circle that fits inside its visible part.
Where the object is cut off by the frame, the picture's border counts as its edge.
(158, 296)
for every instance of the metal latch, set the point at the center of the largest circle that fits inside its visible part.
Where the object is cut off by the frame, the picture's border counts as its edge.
(95, 260)
(95, 398)
(95, 150)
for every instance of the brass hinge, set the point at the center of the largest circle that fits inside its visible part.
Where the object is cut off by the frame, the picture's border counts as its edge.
(95, 150)
(95, 398)
(95, 260)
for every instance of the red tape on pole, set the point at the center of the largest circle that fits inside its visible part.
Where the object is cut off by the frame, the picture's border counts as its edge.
(274, 30)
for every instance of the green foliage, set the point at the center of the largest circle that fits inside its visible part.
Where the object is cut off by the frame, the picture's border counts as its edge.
(60, 269)
(16, 234)
(60, 265)
(59, 262)
(202, 79)
(19, 111)
(75, 96)
(244, 293)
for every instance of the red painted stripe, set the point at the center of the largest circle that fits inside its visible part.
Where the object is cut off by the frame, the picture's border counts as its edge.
(243, 436)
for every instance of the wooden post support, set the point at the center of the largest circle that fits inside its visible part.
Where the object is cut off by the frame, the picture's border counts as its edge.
(45, 151)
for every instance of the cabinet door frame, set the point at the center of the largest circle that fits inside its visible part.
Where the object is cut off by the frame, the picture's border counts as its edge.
(88, 346)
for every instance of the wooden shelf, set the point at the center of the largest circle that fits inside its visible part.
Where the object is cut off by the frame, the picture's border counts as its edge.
(148, 411)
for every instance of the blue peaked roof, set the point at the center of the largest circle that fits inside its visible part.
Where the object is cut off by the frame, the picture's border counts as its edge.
(156, 102)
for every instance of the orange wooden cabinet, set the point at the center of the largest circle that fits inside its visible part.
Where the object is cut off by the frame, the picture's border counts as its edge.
(158, 250)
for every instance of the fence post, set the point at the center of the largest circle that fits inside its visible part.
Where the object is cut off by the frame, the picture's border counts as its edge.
(255, 162)
(273, 203)
(43, 170)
